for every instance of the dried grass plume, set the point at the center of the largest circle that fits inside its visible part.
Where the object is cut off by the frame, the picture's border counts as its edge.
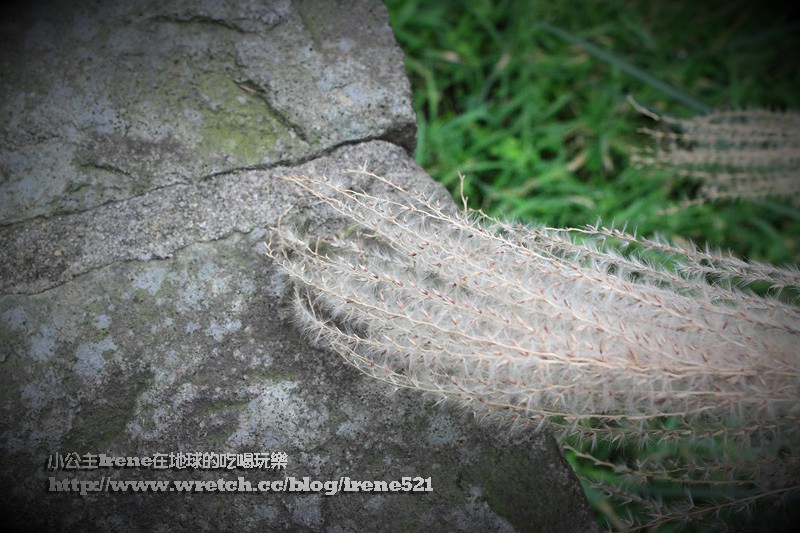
(594, 332)
(747, 154)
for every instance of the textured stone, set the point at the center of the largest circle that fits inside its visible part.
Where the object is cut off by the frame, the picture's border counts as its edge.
(102, 101)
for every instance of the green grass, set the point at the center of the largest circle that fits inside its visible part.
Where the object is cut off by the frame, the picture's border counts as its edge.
(528, 100)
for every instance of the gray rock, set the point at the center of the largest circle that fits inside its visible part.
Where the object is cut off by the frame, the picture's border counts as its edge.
(139, 314)
(103, 101)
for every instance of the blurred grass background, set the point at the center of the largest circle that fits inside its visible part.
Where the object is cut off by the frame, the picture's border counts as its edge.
(528, 100)
(541, 127)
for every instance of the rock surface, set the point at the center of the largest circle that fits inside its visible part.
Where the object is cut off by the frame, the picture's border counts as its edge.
(138, 314)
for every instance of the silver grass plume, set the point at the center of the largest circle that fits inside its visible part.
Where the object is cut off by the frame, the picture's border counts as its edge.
(751, 153)
(595, 333)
